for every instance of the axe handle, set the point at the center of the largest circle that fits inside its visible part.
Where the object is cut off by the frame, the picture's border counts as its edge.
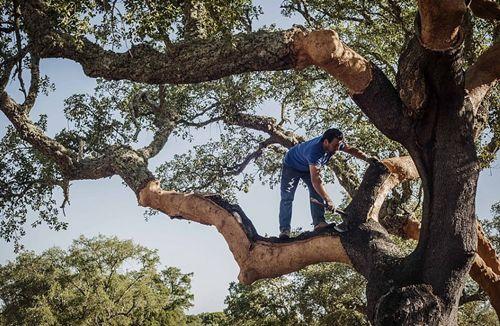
(317, 202)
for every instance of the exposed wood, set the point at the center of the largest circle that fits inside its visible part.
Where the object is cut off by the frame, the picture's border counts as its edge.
(256, 256)
(440, 23)
(324, 49)
(488, 281)
(370, 88)
(482, 75)
(486, 251)
(401, 168)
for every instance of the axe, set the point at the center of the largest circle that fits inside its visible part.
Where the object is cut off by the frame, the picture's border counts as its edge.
(338, 211)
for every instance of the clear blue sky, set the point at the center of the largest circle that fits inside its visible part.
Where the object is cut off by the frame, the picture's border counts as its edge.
(107, 207)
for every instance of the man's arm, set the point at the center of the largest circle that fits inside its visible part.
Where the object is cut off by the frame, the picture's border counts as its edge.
(357, 153)
(318, 185)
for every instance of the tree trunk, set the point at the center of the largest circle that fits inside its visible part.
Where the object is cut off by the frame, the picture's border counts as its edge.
(442, 145)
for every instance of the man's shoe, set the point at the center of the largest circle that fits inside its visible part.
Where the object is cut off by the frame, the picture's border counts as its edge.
(320, 225)
(341, 228)
(285, 234)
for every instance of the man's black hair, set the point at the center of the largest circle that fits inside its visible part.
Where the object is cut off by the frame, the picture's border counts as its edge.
(332, 133)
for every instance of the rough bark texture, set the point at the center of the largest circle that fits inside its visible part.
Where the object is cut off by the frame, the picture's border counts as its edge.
(486, 267)
(191, 61)
(484, 270)
(449, 172)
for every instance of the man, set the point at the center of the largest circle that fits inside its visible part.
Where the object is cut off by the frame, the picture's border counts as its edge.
(304, 161)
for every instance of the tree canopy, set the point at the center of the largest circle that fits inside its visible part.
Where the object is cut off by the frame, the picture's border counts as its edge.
(415, 80)
(98, 281)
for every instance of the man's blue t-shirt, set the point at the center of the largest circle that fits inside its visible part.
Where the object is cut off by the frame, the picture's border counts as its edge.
(311, 152)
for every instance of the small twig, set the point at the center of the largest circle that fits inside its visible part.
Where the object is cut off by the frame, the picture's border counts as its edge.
(238, 168)
(64, 184)
(19, 69)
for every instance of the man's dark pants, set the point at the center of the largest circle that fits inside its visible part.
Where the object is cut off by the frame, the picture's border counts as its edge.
(289, 180)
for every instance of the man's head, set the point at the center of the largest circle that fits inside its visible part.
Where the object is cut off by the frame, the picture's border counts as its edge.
(331, 140)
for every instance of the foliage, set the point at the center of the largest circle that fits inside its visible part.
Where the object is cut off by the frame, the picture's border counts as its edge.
(27, 183)
(208, 319)
(477, 314)
(325, 294)
(124, 23)
(100, 280)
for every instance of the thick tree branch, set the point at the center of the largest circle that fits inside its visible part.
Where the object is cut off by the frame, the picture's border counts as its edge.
(485, 9)
(130, 164)
(184, 62)
(257, 257)
(483, 75)
(488, 281)
(204, 60)
(324, 49)
(370, 88)
(31, 133)
(486, 251)
(260, 257)
(34, 84)
(402, 169)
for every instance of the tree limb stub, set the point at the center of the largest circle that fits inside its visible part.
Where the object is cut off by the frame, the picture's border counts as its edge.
(257, 257)
(440, 23)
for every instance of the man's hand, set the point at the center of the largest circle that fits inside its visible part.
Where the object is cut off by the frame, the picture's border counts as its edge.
(373, 160)
(330, 205)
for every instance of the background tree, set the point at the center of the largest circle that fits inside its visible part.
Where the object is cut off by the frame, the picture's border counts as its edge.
(433, 115)
(98, 281)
